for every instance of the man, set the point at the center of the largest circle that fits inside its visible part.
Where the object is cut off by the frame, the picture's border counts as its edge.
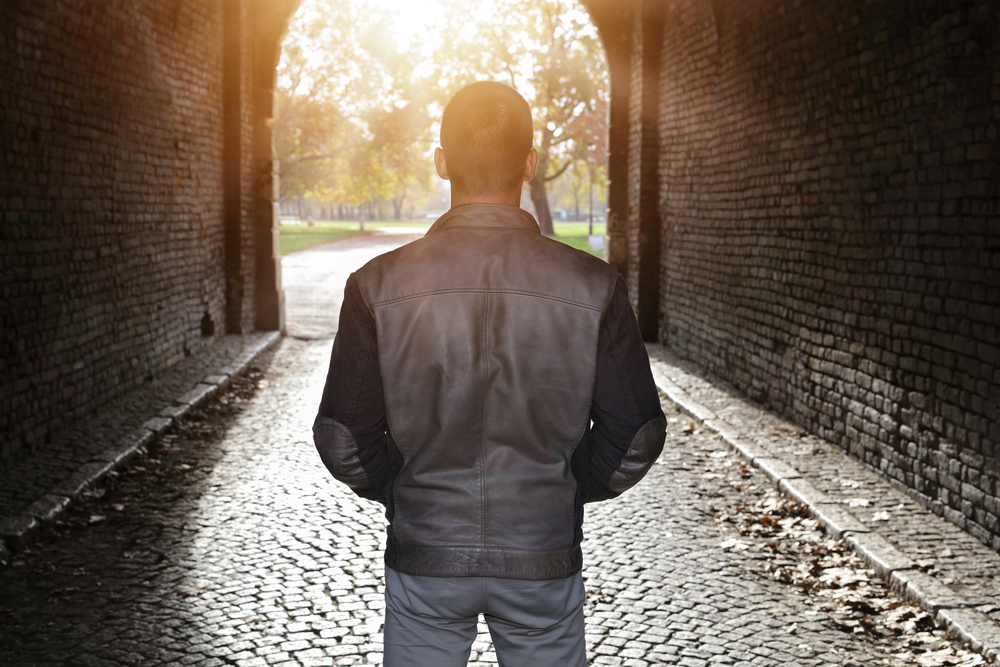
(485, 383)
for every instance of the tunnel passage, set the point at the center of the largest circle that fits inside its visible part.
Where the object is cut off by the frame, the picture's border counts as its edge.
(803, 198)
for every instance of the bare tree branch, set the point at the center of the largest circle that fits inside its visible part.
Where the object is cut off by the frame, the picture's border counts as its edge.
(559, 172)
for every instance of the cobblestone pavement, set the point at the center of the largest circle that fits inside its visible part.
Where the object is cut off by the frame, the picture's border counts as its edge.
(959, 566)
(229, 544)
(79, 443)
(40, 487)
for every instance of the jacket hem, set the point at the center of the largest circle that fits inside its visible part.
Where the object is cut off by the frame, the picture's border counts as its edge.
(474, 561)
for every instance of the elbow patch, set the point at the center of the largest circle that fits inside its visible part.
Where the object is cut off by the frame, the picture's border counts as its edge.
(642, 452)
(339, 451)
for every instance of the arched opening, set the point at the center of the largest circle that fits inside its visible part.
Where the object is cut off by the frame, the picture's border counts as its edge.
(610, 25)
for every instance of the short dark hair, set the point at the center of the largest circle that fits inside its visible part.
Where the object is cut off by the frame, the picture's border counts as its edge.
(486, 137)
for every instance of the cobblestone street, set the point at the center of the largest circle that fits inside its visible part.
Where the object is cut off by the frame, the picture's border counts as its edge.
(228, 543)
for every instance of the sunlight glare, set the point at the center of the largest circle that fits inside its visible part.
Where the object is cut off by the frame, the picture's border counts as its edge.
(413, 20)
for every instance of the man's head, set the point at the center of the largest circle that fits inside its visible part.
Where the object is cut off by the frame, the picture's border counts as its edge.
(486, 143)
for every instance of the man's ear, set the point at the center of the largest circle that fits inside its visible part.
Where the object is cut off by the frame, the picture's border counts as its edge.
(440, 164)
(530, 165)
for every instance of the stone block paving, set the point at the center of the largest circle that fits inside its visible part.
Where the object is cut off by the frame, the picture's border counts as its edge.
(957, 562)
(37, 489)
(228, 544)
(86, 441)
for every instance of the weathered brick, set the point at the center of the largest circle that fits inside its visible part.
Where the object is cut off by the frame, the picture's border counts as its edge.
(780, 163)
(115, 255)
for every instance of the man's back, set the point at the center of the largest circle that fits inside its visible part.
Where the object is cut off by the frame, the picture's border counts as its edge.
(487, 341)
(484, 384)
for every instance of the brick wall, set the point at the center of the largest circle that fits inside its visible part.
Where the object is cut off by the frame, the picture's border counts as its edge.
(112, 248)
(614, 22)
(643, 219)
(829, 187)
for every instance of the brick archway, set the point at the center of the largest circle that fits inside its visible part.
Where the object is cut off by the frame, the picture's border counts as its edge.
(615, 22)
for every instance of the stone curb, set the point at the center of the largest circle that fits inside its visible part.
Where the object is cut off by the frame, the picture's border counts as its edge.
(974, 627)
(18, 531)
(950, 609)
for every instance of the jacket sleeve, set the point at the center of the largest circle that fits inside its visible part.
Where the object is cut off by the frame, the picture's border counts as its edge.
(350, 430)
(628, 423)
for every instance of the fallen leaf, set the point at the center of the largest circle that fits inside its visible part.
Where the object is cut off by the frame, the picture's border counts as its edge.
(733, 543)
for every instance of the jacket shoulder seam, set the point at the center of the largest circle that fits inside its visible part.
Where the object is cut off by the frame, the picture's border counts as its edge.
(490, 290)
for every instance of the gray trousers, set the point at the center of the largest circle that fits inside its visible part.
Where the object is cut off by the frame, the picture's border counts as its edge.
(431, 621)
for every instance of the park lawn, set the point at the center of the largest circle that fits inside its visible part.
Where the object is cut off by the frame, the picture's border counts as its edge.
(580, 243)
(574, 234)
(296, 237)
(300, 236)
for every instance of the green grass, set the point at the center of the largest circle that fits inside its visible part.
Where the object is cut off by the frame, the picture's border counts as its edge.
(574, 234)
(302, 236)
(580, 243)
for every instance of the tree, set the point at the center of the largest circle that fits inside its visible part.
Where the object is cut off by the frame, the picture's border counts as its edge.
(595, 156)
(578, 179)
(309, 139)
(355, 113)
(598, 178)
(321, 77)
(399, 136)
(351, 111)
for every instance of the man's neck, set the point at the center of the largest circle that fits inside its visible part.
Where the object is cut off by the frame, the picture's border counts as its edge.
(512, 198)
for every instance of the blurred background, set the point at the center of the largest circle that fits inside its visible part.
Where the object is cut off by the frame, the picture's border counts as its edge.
(360, 91)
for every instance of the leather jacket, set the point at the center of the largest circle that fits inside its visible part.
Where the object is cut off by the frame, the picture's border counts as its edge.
(485, 383)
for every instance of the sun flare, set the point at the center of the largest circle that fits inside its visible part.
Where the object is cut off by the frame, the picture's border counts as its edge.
(412, 20)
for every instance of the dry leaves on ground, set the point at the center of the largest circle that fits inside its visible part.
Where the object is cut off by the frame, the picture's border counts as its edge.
(793, 548)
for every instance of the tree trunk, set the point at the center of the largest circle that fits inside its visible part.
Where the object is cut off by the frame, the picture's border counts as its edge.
(590, 210)
(541, 202)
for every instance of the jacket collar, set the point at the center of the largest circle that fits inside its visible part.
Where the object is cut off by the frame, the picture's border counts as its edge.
(482, 216)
